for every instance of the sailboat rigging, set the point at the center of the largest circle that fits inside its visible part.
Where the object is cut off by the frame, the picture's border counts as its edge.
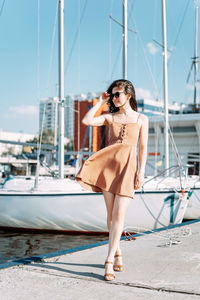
(61, 91)
(60, 204)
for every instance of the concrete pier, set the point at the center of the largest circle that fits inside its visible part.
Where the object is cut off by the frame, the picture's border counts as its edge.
(160, 265)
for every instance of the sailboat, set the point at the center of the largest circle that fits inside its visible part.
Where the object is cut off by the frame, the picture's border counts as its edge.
(193, 209)
(62, 205)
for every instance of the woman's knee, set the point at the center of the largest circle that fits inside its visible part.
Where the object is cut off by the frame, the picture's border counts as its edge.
(120, 207)
(117, 215)
(109, 217)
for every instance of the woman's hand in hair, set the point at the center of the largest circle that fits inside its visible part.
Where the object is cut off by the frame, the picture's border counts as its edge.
(104, 97)
(90, 119)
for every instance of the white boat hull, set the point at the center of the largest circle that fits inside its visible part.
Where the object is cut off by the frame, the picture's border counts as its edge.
(83, 211)
(193, 208)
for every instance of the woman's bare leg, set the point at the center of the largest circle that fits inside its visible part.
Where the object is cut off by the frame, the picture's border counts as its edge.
(120, 206)
(109, 201)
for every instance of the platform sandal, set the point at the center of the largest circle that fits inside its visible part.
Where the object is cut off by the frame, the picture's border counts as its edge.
(118, 268)
(109, 276)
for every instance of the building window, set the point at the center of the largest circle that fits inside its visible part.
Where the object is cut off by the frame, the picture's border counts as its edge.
(151, 130)
(181, 129)
(193, 160)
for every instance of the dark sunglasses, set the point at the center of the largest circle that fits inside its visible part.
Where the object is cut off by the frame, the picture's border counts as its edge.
(115, 95)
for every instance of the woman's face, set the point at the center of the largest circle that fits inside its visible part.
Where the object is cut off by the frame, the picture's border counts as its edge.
(119, 98)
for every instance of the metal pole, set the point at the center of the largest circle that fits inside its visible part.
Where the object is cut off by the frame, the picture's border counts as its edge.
(61, 90)
(125, 39)
(55, 141)
(196, 58)
(165, 77)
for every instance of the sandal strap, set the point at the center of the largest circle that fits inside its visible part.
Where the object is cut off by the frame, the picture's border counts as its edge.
(118, 266)
(109, 276)
(108, 262)
(118, 255)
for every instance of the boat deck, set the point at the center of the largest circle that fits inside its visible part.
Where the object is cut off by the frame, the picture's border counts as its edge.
(164, 264)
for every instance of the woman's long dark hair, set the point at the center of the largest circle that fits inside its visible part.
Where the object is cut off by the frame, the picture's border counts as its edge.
(128, 88)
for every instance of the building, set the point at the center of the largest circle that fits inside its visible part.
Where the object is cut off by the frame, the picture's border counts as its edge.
(95, 138)
(88, 138)
(69, 116)
(185, 134)
(51, 106)
(156, 107)
(48, 114)
(185, 131)
(9, 164)
(13, 137)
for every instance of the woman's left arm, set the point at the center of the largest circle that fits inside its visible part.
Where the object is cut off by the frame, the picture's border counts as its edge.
(144, 131)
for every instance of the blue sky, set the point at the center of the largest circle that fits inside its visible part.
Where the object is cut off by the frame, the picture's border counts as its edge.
(93, 56)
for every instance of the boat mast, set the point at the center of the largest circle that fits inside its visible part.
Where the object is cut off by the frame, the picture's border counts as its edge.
(125, 39)
(61, 90)
(165, 79)
(196, 58)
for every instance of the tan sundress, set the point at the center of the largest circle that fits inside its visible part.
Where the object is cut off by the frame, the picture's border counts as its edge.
(113, 168)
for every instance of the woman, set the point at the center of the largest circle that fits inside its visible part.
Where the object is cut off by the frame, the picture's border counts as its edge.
(113, 170)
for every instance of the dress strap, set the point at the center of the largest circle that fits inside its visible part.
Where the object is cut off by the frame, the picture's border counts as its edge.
(112, 118)
(138, 117)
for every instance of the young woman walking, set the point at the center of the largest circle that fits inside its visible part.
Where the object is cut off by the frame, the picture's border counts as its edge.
(113, 170)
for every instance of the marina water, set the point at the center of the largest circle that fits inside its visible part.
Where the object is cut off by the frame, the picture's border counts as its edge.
(15, 245)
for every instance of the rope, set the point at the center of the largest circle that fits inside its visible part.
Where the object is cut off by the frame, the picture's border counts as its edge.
(38, 51)
(129, 236)
(119, 54)
(76, 36)
(110, 43)
(52, 46)
(39, 149)
(38, 88)
(2, 6)
(172, 237)
(180, 26)
(145, 58)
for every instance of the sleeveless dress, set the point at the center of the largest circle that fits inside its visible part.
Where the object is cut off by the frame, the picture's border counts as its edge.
(114, 167)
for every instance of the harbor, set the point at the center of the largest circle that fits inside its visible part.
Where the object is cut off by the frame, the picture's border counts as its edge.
(21, 245)
(163, 264)
(53, 232)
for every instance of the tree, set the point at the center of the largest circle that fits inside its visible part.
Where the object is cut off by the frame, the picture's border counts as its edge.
(47, 137)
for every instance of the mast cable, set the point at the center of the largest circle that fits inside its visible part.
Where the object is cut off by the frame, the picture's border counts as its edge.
(119, 53)
(2, 7)
(52, 46)
(180, 26)
(38, 90)
(146, 60)
(75, 36)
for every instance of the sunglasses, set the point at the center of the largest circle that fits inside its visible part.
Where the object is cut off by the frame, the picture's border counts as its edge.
(115, 95)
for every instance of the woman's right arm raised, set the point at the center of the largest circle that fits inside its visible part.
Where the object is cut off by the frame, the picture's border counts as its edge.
(90, 119)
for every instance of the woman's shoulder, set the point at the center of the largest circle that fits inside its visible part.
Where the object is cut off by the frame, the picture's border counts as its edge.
(143, 117)
(143, 121)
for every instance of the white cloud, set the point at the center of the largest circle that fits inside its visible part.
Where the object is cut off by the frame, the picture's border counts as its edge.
(168, 54)
(142, 93)
(152, 48)
(28, 110)
(189, 87)
(21, 118)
